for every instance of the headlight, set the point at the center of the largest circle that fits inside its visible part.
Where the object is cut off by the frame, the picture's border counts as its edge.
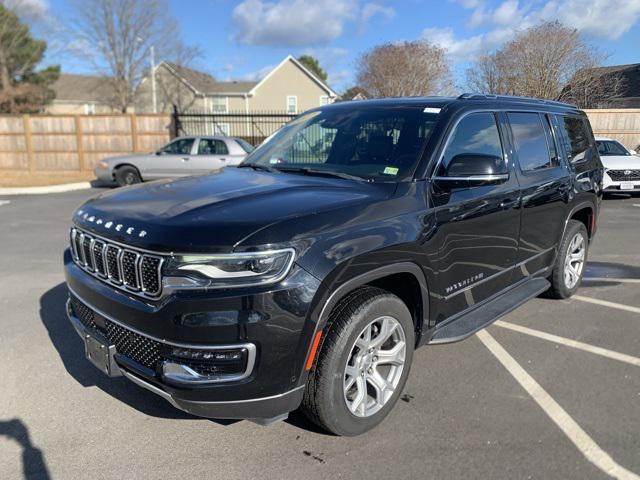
(228, 270)
(103, 165)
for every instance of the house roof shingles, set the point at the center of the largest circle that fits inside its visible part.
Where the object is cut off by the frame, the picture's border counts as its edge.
(629, 73)
(82, 88)
(206, 84)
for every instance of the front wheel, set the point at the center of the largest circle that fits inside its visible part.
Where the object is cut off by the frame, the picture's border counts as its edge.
(570, 262)
(363, 363)
(127, 175)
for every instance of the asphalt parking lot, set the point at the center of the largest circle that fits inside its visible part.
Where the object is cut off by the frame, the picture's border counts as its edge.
(552, 391)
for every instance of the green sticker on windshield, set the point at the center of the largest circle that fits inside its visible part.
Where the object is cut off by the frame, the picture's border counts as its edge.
(391, 170)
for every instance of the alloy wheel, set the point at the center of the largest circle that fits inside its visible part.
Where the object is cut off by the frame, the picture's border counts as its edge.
(574, 261)
(374, 366)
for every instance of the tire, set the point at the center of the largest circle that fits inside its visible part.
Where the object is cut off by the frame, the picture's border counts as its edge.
(325, 399)
(563, 283)
(127, 175)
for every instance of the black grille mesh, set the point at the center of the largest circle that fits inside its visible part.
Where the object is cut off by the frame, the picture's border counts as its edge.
(149, 274)
(98, 249)
(86, 248)
(83, 313)
(112, 263)
(130, 344)
(135, 271)
(621, 176)
(129, 270)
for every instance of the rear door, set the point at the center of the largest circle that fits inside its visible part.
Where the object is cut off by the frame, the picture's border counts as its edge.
(546, 182)
(477, 226)
(211, 154)
(172, 160)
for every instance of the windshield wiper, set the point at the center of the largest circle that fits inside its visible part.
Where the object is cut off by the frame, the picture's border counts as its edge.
(325, 173)
(257, 166)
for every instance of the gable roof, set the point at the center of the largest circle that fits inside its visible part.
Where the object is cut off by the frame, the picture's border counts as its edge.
(205, 84)
(82, 88)
(290, 58)
(630, 75)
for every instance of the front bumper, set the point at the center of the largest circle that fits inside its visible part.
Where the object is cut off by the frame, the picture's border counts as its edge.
(281, 334)
(103, 174)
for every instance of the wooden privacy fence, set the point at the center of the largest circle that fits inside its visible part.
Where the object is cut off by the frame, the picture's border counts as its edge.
(622, 124)
(41, 144)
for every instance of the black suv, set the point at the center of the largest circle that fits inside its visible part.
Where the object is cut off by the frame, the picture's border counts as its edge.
(308, 275)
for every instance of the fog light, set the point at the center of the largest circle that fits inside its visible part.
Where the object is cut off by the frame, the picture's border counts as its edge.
(198, 366)
(208, 354)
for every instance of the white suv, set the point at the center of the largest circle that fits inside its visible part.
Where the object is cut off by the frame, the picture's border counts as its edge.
(621, 165)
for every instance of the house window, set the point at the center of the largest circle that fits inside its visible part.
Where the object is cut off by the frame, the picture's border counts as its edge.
(292, 104)
(219, 104)
(324, 100)
(89, 108)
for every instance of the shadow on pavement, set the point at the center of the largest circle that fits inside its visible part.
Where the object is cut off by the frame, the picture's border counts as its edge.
(33, 464)
(71, 351)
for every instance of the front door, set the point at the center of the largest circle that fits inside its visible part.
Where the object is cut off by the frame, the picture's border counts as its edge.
(477, 225)
(172, 160)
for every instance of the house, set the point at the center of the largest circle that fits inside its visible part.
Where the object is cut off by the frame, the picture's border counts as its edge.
(615, 86)
(289, 87)
(81, 94)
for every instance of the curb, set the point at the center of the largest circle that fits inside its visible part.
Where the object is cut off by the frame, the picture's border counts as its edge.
(67, 187)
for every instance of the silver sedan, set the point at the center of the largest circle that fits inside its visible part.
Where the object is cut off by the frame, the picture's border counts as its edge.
(183, 156)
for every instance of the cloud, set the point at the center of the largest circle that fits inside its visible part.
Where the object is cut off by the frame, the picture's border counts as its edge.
(300, 23)
(257, 75)
(371, 9)
(607, 19)
(28, 9)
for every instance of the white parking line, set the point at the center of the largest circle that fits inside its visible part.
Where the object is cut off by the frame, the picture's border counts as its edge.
(4, 202)
(587, 446)
(621, 357)
(604, 303)
(636, 204)
(612, 280)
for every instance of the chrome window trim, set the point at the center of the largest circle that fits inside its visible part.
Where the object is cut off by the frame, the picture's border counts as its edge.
(477, 178)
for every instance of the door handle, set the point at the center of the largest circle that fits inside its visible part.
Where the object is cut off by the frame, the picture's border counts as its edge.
(223, 159)
(508, 203)
(185, 159)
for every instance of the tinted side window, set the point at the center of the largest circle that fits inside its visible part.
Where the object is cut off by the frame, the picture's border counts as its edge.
(575, 137)
(476, 134)
(530, 141)
(210, 146)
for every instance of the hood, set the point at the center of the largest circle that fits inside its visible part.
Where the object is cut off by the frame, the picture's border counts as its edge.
(215, 212)
(622, 162)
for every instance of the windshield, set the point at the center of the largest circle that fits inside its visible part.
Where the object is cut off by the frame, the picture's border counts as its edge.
(610, 147)
(380, 144)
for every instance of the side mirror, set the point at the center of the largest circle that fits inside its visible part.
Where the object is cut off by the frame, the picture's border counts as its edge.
(470, 168)
(633, 152)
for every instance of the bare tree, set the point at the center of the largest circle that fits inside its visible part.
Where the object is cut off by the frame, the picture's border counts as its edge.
(120, 34)
(172, 90)
(404, 69)
(540, 62)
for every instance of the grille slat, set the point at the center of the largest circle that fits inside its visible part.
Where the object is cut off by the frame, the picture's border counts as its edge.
(128, 269)
(622, 176)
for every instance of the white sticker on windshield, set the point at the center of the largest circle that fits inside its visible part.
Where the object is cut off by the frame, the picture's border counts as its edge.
(432, 110)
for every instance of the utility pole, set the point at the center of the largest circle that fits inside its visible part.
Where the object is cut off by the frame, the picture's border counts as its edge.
(153, 78)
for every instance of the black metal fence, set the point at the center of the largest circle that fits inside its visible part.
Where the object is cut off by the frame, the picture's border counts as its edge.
(252, 127)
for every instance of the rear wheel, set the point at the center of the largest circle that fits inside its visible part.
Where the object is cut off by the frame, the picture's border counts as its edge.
(570, 262)
(363, 363)
(127, 175)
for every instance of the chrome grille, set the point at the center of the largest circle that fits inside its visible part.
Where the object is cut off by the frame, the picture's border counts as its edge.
(135, 271)
(623, 176)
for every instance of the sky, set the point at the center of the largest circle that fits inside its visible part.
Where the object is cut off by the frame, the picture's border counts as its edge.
(244, 39)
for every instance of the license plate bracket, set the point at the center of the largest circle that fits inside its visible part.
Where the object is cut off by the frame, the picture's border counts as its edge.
(102, 355)
(627, 186)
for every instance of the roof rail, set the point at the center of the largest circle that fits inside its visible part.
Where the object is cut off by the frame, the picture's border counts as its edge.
(471, 96)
